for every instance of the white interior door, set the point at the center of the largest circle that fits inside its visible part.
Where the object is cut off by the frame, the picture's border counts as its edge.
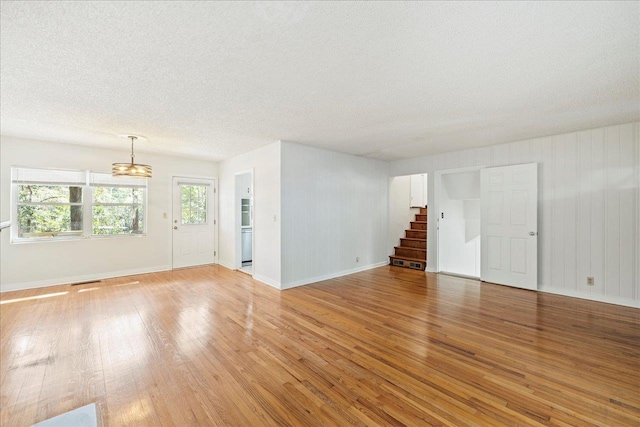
(193, 222)
(509, 225)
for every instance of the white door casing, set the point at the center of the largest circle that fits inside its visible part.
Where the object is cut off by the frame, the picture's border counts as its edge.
(509, 225)
(192, 223)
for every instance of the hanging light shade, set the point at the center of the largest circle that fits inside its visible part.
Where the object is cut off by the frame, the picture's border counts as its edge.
(131, 169)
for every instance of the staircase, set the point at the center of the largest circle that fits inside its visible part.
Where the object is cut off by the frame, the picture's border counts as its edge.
(412, 252)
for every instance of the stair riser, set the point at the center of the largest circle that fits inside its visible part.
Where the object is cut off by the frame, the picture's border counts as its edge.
(411, 253)
(423, 211)
(421, 217)
(416, 234)
(418, 225)
(421, 244)
(413, 265)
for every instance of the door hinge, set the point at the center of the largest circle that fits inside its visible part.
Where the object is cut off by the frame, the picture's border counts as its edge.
(215, 222)
(215, 190)
(215, 253)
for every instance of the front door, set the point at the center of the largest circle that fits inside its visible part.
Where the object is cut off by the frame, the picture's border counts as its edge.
(509, 225)
(193, 222)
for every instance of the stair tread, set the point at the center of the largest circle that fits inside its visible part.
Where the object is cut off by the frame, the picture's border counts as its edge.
(420, 222)
(413, 229)
(409, 247)
(414, 238)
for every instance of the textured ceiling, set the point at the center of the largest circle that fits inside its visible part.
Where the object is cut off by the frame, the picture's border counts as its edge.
(386, 80)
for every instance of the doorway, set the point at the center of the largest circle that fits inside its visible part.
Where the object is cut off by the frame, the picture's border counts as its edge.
(458, 218)
(408, 217)
(193, 221)
(245, 235)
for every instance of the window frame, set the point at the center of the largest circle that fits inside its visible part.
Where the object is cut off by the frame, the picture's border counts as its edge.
(87, 204)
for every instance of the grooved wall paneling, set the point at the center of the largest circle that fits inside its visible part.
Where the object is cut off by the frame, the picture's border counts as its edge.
(589, 189)
(334, 209)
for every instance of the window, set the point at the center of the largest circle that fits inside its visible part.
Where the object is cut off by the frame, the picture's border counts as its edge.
(55, 204)
(49, 210)
(194, 203)
(118, 205)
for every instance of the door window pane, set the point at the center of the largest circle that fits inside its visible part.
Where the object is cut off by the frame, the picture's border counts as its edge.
(193, 204)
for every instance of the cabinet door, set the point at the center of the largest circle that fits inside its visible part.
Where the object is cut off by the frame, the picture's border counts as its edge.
(417, 191)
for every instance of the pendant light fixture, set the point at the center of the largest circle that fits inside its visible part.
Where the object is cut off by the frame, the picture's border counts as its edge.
(131, 169)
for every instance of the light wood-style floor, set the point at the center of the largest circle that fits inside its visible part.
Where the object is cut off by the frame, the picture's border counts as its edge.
(389, 346)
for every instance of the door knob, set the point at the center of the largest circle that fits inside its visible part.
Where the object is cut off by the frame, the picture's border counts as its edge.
(533, 233)
(175, 227)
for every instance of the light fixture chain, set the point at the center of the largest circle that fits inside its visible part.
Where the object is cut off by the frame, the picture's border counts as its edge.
(133, 138)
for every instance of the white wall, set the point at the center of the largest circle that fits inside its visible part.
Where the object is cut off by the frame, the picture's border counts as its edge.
(334, 209)
(266, 214)
(400, 214)
(25, 265)
(589, 206)
(459, 238)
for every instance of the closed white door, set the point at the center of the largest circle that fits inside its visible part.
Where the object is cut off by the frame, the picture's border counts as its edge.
(193, 222)
(509, 225)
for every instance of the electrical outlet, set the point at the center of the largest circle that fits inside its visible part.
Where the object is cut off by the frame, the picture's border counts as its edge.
(590, 281)
(357, 259)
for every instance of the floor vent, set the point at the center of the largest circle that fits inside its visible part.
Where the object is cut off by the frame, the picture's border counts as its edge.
(416, 265)
(86, 283)
(398, 262)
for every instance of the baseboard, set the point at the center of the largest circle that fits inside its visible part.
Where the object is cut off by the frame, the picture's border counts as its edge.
(227, 264)
(592, 297)
(83, 278)
(332, 275)
(463, 276)
(266, 281)
(259, 278)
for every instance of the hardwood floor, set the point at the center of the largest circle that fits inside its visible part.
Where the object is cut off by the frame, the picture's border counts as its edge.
(389, 346)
